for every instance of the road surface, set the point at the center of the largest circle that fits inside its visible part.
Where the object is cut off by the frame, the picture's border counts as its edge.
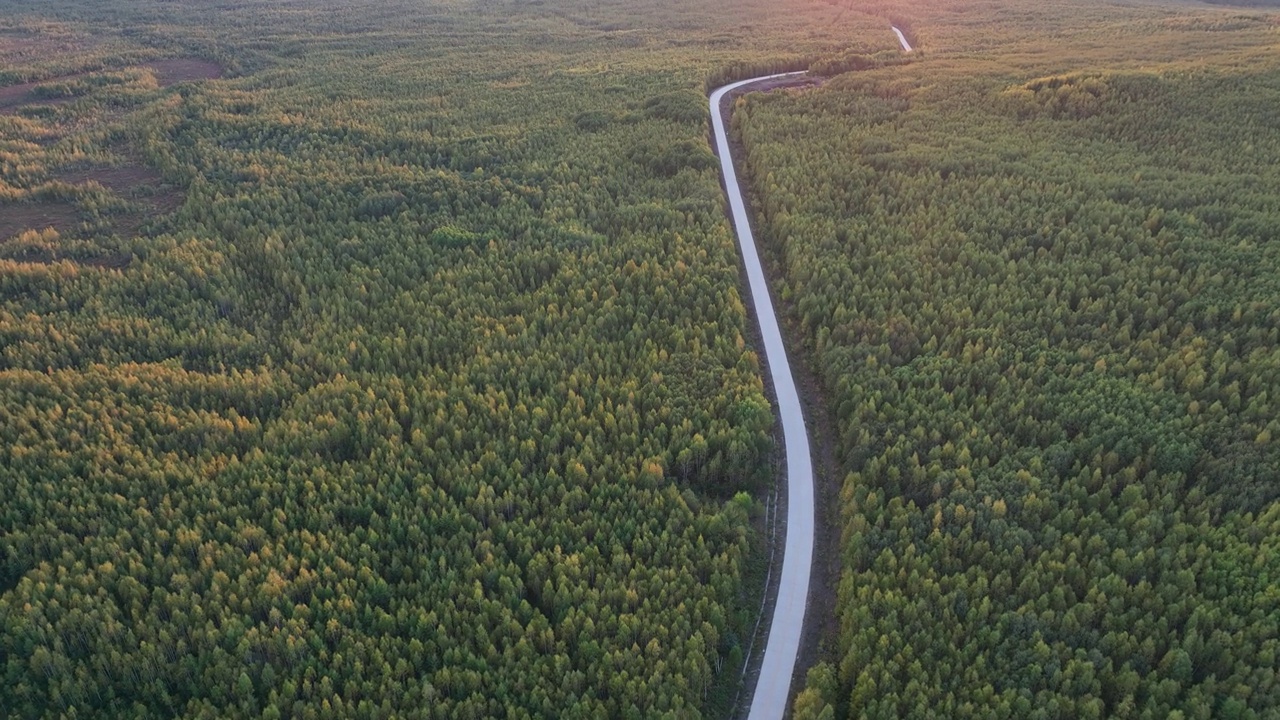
(773, 686)
(906, 46)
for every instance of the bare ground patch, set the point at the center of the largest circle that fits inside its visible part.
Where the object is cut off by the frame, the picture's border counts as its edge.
(164, 199)
(136, 182)
(34, 233)
(120, 180)
(28, 47)
(131, 223)
(43, 241)
(16, 217)
(148, 198)
(167, 72)
(16, 97)
(47, 256)
(143, 189)
(177, 70)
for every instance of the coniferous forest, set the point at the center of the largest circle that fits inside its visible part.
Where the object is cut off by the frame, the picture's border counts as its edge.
(372, 359)
(389, 358)
(1046, 310)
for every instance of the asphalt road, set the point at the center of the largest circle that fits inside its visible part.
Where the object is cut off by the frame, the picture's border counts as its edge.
(773, 686)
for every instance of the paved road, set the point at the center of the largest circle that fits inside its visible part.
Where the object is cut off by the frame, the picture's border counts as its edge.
(773, 688)
(906, 46)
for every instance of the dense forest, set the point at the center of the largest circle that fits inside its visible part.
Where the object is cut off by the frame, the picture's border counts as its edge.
(1045, 309)
(386, 358)
(378, 360)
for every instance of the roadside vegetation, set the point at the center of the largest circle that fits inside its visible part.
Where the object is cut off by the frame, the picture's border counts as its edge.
(378, 359)
(1043, 290)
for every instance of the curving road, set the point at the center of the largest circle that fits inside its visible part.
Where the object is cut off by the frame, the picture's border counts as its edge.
(773, 688)
(773, 685)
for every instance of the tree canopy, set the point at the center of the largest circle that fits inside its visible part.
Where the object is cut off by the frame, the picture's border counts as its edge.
(1045, 314)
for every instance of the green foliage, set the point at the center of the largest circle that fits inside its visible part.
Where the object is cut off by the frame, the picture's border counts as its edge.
(1071, 97)
(685, 106)
(400, 374)
(592, 120)
(851, 61)
(450, 236)
(1048, 333)
(667, 159)
(820, 696)
(380, 204)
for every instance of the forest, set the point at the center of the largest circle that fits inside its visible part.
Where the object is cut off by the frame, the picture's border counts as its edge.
(1043, 299)
(388, 358)
(378, 359)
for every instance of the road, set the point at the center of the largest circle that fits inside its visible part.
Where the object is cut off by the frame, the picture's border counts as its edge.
(773, 686)
(906, 46)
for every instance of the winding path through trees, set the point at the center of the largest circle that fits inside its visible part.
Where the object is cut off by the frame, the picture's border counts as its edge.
(773, 686)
